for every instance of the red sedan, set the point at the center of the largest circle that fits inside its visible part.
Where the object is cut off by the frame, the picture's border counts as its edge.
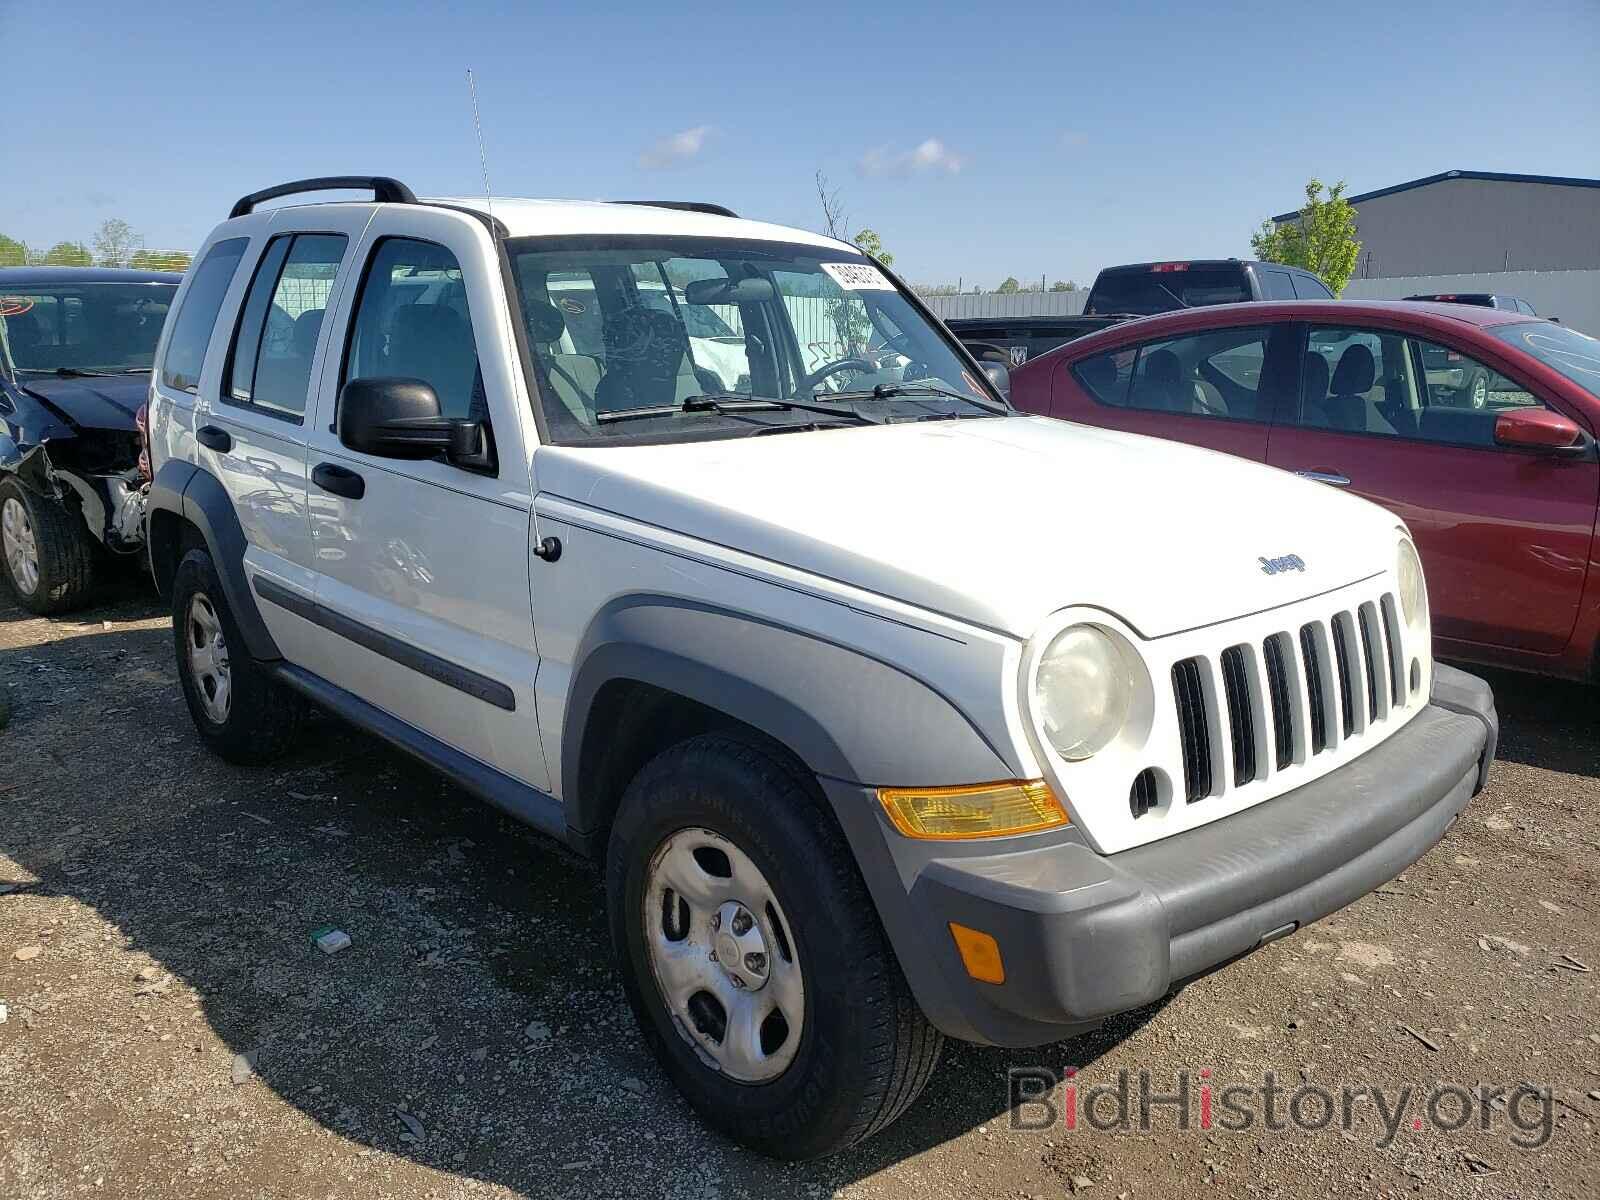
(1476, 425)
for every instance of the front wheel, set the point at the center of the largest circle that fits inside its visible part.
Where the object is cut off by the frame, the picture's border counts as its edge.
(753, 957)
(45, 552)
(1477, 391)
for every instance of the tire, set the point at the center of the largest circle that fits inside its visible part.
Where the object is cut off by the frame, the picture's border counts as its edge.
(256, 720)
(45, 551)
(1476, 393)
(863, 1051)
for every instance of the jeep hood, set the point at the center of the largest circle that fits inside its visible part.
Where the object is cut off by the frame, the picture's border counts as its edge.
(999, 522)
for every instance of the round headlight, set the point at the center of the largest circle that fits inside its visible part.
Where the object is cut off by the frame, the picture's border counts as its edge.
(1413, 590)
(1083, 691)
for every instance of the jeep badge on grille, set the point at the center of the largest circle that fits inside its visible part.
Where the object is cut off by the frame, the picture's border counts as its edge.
(1277, 566)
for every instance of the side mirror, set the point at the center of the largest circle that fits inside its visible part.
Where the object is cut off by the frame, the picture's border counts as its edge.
(401, 418)
(1540, 430)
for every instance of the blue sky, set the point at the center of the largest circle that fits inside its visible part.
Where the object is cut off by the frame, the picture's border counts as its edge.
(979, 140)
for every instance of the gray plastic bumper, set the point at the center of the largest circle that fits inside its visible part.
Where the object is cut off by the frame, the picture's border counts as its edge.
(1085, 935)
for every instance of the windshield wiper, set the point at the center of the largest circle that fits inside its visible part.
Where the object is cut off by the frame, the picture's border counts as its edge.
(64, 372)
(888, 391)
(729, 404)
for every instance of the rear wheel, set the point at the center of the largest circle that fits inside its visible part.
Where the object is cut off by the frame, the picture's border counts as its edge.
(241, 712)
(45, 552)
(753, 957)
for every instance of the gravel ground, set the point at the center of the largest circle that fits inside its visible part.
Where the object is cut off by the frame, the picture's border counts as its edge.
(171, 1031)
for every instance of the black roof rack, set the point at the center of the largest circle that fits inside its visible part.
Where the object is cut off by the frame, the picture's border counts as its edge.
(716, 210)
(384, 190)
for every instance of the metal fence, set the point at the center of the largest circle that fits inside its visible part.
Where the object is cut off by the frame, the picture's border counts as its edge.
(1008, 304)
(1572, 296)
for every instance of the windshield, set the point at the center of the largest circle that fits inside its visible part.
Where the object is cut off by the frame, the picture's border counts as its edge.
(91, 327)
(631, 336)
(1576, 355)
(1147, 290)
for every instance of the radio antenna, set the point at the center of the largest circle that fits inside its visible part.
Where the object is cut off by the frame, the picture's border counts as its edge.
(477, 128)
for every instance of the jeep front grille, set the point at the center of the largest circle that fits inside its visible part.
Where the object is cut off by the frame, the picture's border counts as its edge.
(1188, 688)
(1307, 691)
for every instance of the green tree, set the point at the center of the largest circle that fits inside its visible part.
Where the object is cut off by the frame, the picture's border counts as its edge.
(115, 242)
(12, 252)
(68, 254)
(1322, 239)
(1064, 286)
(160, 260)
(872, 246)
(1010, 287)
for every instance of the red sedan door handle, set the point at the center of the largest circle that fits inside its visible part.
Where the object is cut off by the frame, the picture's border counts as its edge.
(1331, 478)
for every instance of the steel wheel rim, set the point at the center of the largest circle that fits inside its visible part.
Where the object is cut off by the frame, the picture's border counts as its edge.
(208, 658)
(21, 547)
(1480, 392)
(705, 902)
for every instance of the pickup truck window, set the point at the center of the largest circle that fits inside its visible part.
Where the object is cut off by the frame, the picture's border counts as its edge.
(1145, 291)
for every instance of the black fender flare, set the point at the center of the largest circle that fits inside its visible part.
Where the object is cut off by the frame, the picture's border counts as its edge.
(196, 496)
(845, 714)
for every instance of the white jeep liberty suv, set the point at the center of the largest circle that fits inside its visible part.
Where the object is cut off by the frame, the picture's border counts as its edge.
(891, 713)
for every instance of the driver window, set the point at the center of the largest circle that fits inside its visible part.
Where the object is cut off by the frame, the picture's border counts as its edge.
(413, 322)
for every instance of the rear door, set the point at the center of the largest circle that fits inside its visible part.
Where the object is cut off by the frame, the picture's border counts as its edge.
(1504, 534)
(1213, 388)
(251, 422)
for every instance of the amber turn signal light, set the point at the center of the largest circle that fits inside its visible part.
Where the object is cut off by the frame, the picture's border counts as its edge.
(980, 954)
(974, 811)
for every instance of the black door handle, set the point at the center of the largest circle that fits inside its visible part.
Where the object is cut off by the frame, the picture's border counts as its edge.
(213, 438)
(339, 480)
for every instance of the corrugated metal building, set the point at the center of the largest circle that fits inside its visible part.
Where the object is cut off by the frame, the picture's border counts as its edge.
(1473, 221)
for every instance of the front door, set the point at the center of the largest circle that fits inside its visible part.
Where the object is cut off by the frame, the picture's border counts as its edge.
(422, 567)
(1504, 534)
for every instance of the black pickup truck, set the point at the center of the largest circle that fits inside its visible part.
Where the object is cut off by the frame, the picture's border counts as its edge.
(1137, 290)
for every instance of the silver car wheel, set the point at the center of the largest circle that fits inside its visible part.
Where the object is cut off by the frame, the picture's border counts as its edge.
(21, 548)
(208, 659)
(722, 956)
(1480, 392)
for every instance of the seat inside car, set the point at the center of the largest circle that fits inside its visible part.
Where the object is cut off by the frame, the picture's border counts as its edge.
(1349, 405)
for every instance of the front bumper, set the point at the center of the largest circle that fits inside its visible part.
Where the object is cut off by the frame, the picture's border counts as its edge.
(1085, 935)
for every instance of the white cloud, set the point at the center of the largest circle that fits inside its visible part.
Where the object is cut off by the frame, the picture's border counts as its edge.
(675, 149)
(930, 155)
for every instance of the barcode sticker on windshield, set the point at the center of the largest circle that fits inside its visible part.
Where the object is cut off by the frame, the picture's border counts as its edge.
(858, 277)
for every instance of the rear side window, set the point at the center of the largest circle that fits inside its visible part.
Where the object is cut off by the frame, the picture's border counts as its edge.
(191, 330)
(270, 365)
(1105, 376)
(413, 322)
(1275, 285)
(1309, 287)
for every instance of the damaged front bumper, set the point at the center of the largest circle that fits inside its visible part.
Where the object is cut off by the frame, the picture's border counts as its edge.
(111, 503)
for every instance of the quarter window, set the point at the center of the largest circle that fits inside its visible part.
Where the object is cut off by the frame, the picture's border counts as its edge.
(197, 315)
(273, 348)
(413, 322)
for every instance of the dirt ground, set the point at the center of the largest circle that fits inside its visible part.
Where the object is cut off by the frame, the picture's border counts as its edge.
(171, 1031)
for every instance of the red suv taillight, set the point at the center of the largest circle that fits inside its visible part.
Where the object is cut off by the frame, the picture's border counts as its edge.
(141, 421)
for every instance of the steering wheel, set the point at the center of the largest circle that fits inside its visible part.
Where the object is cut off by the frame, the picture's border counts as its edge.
(809, 383)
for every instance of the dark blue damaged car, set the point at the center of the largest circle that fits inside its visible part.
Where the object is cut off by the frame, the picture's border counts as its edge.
(76, 346)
